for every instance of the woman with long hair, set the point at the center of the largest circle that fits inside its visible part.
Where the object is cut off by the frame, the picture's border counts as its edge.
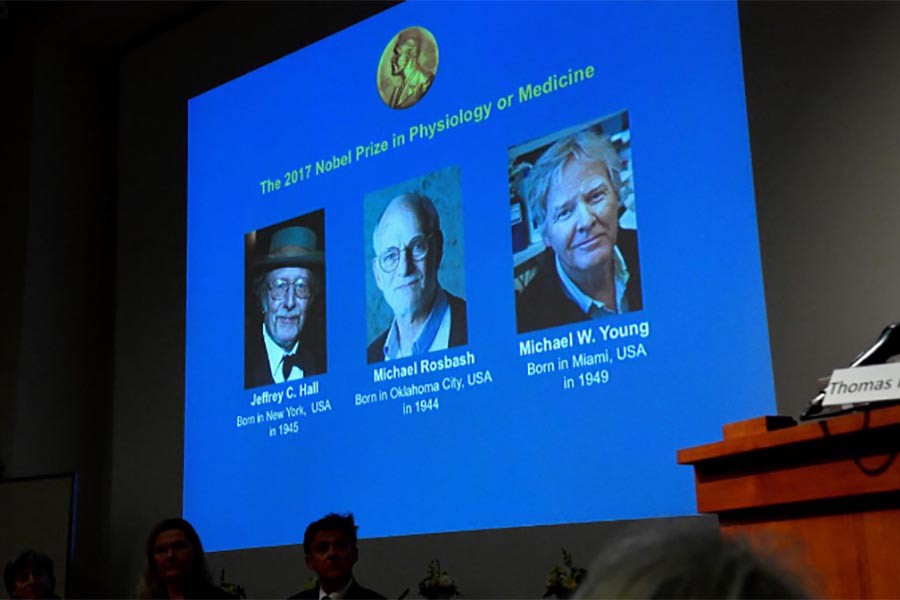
(176, 564)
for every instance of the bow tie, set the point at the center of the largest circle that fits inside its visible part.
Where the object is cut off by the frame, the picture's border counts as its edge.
(290, 361)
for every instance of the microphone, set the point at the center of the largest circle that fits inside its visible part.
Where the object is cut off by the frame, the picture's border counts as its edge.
(886, 346)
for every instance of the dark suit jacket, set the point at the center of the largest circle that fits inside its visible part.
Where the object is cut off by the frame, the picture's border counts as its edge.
(544, 302)
(256, 362)
(354, 592)
(459, 330)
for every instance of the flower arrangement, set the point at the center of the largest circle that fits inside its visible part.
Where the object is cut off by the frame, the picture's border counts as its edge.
(562, 581)
(438, 583)
(234, 589)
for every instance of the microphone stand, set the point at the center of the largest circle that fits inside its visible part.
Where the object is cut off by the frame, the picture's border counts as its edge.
(886, 346)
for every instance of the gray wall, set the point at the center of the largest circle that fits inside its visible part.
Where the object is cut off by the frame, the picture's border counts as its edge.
(823, 85)
(94, 351)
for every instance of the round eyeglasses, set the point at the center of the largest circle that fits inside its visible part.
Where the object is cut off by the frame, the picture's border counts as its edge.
(417, 249)
(279, 289)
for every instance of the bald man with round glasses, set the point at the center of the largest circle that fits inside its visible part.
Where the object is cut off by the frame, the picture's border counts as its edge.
(409, 247)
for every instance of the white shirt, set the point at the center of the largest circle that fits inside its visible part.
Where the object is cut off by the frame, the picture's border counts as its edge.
(337, 594)
(276, 356)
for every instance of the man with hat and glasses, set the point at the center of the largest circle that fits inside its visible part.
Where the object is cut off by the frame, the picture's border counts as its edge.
(286, 284)
(409, 246)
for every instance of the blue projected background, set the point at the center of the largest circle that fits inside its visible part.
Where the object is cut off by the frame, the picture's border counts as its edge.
(566, 444)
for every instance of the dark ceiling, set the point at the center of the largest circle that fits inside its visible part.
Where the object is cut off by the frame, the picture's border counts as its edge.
(107, 25)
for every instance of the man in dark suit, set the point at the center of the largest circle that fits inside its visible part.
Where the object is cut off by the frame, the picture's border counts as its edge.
(286, 285)
(409, 246)
(330, 548)
(591, 268)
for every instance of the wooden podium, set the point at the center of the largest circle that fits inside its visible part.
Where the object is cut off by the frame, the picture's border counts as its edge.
(825, 495)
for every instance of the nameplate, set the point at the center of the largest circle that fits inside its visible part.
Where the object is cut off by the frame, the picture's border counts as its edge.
(877, 383)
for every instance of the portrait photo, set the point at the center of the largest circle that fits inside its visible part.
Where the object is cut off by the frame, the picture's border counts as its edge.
(415, 275)
(284, 291)
(574, 225)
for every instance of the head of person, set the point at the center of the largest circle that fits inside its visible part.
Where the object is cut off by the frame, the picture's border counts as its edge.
(30, 575)
(406, 51)
(286, 282)
(330, 548)
(573, 194)
(409, 247)
(174, 558)
(691, 562)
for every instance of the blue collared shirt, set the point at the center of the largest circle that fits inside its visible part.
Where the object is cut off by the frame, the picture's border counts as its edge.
(436, 329)
(588, 305)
